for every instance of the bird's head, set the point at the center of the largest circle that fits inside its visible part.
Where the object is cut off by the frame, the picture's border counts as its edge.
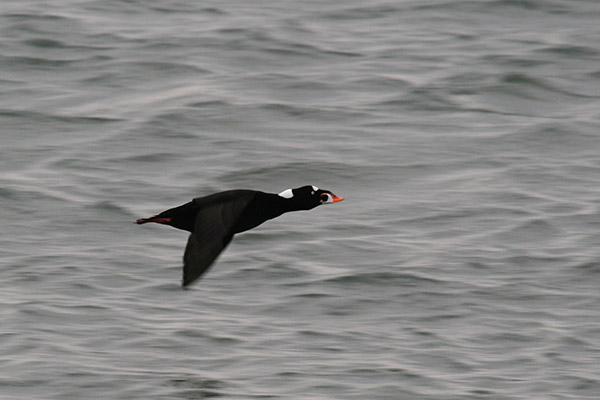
(309, 197)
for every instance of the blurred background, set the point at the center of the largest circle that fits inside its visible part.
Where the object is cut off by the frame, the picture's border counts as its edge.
(464, 136)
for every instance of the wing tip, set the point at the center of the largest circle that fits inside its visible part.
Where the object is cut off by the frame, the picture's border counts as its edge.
(185, 283)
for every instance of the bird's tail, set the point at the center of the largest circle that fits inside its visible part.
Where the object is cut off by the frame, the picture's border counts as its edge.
(159, 220)
(182, 217)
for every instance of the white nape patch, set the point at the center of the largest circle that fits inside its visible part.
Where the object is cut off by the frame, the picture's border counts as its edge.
(286, 194)
(315, 188)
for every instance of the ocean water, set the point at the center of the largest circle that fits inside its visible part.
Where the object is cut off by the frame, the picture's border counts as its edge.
(464, 135)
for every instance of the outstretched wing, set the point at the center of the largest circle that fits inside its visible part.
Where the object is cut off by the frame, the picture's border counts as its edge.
(199, 256)
(213, 230)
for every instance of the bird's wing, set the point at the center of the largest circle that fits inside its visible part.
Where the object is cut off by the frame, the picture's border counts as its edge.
(199, 256)
(213, 227)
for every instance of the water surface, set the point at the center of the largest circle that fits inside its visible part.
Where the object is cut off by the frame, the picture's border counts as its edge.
(463, 264)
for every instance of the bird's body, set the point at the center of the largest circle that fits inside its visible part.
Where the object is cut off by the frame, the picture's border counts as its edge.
(213, 220)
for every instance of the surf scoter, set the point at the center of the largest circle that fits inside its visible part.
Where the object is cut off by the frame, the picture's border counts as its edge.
(214, 219)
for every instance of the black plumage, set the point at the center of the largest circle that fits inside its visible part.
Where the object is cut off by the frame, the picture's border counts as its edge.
(213, 220)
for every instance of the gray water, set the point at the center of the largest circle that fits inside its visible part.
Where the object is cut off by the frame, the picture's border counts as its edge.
(464, 263)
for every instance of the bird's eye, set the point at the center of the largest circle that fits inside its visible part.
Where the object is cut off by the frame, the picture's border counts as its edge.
(324, 197)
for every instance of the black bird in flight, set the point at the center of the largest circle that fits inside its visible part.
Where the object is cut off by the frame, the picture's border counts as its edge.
(214, 219)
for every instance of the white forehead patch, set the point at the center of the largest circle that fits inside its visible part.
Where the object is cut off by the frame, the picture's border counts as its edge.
(315, 188)
(286, 194)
